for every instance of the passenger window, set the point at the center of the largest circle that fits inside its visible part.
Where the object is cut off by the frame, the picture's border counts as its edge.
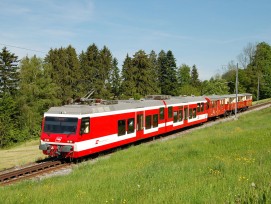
(121, 127)
(162, 113)
(198, 107)
(194, 113)
(175, 119)
(84, 126)
(140, 122)
(131, 125)
(181, 115)
(148, 122)
(202, 107)
(170, 112)
(190, 113)
(155, 120)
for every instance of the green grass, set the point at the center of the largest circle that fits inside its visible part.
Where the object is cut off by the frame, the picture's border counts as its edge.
(261, 101)
(21, 154)
(226, 163)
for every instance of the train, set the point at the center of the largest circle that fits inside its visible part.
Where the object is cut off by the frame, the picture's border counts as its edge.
(81, 129)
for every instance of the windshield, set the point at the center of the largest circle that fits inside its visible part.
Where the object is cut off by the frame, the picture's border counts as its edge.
(60, 125)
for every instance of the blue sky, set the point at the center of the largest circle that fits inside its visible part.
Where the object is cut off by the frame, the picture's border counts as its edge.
(207, 33)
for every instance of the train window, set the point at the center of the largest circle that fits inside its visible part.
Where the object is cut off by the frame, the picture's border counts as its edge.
(190, 113)
(148, 122)
(170, 112)
(194, 113)
(198, 107)
(139, 122)
(131, 125)
(84, 129)
(181, 115)
(175, 119)
(60, 125)
(121, 127)
(202, 107)
(185, 113)
(155, 120)
(162, 113)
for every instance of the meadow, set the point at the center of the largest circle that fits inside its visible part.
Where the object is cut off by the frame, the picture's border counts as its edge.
(226, 163)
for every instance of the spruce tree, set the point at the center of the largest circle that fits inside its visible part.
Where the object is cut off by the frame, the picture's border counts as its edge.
(8, 72)
(128, 83)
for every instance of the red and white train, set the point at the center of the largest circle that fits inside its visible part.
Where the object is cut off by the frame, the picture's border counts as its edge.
(74, 131)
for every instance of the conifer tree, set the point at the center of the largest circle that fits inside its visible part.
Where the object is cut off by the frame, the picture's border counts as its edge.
(115, 79)
(128, 84)
(195, 77)
(89, 62)
(143, 77)
(8, 72)
(162, 67)
(172, 83)
(154, 72)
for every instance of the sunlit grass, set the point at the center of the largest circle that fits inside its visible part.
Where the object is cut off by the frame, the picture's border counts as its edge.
(22, 154)
(226, 163)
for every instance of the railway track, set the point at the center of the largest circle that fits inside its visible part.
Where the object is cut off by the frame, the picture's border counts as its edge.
(13, 175)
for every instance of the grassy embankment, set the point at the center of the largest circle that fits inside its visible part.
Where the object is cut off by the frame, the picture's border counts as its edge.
(22, 154)
(229, 162)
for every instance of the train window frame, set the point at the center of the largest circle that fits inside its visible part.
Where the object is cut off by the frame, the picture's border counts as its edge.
(170, 112)
(121, 127)
(140, 122)
(148, 122)
(162, 113)
(131, 126)
(155, 120)
(85, 126)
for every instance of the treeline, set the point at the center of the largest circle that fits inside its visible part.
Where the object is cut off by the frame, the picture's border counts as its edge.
(30, 86)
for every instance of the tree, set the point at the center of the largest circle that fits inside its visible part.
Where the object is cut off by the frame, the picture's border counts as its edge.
(167, 73)
(102, 81)
(128, 84)
(184, 77)
(162, 67)
(215, 87)
(8, 91)
(8, 72)
(115, 79)
(172, 86)
(145, 82)
(154, 72)
(247, 55)
(65, 72)
(260, 69)
(37, 93)
(195, 77)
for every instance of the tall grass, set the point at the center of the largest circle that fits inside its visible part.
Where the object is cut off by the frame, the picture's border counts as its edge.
(226, 163)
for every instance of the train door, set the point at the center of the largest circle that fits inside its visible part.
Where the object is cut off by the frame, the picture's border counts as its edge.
(140, 125)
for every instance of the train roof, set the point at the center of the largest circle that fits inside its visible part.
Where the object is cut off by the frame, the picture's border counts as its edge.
(100, 108)
(121, 105)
